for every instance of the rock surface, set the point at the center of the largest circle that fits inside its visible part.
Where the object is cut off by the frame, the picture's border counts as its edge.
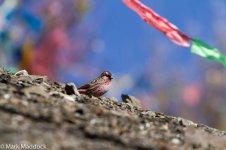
(34, 110)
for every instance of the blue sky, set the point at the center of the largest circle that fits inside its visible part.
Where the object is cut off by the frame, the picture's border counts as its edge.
(129, 40)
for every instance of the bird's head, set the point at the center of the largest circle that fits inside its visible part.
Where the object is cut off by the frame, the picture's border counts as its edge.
(106, 74)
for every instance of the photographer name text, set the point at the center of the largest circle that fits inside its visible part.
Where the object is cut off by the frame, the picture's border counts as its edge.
(22, 146)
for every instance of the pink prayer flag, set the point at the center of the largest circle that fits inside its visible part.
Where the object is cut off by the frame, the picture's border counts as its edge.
(162, 24)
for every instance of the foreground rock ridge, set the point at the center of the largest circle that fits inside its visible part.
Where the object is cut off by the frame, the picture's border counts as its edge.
(34, 110)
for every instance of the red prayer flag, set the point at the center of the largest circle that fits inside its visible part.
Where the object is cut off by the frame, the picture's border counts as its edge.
(162, 24)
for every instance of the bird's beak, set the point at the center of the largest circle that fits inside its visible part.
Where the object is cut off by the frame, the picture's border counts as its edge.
(111, 78)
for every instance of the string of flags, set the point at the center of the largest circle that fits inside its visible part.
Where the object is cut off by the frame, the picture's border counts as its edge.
(174, 34)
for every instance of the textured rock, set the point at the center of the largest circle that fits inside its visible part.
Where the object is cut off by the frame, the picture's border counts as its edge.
(71, 89)
(34, 110)
(131, 100)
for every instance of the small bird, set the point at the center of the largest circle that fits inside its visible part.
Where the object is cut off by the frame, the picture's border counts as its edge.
(97, 87)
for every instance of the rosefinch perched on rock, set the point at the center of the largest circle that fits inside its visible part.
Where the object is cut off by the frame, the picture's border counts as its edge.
(97, 87)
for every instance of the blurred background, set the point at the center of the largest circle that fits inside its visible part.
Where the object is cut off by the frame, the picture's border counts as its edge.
(76, 40)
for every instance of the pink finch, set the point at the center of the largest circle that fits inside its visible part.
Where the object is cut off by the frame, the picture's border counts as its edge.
(97, 87)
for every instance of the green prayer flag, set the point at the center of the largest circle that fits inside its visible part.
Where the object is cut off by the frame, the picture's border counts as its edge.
(204, 50)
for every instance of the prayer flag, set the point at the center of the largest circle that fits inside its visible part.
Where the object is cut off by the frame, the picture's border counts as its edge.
(204, 50)
(162, 24)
